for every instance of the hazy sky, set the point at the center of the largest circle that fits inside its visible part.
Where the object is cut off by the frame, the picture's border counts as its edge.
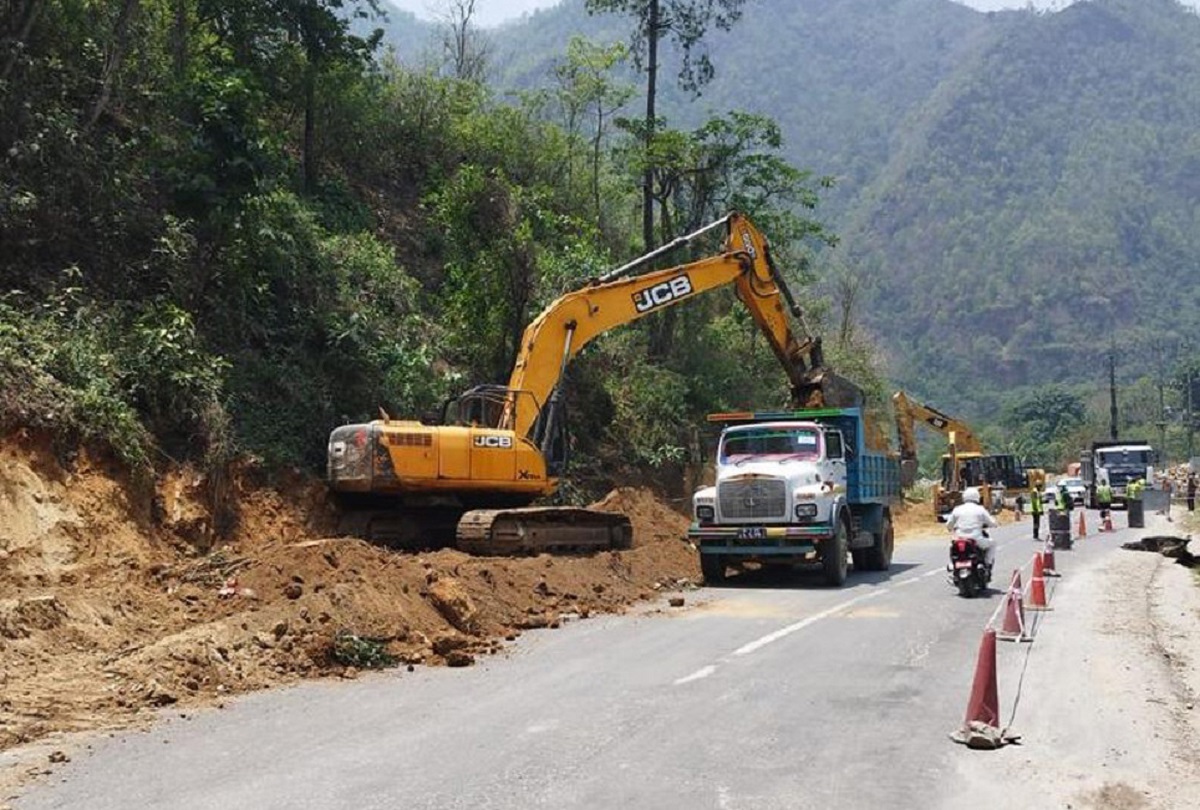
(491, 12)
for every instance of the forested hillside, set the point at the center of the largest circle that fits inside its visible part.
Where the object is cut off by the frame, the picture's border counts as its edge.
(1043, 203)
(231, 225)
(1015, 192)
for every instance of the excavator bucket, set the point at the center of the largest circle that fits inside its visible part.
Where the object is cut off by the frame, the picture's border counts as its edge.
(825, 389)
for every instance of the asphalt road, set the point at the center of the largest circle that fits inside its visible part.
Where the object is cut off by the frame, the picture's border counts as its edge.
(770, 693)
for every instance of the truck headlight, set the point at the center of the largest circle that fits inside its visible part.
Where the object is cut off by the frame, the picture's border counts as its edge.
(806, 510)
(705, 514)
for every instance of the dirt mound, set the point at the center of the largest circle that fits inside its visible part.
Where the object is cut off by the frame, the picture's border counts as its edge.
(916, 519)
(113, 604)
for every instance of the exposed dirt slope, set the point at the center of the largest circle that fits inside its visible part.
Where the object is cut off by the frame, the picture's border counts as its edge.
(112, 605)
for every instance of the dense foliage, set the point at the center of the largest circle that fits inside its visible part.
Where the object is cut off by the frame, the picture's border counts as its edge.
(1015, 191)
(230, 225)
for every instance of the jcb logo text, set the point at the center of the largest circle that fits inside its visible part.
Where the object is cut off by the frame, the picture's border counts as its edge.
(493, 441)
(661, 294)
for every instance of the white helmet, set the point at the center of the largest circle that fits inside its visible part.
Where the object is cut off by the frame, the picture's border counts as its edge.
(970, 495)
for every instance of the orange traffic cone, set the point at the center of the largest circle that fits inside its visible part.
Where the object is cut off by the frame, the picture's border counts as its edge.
(1014, 613)
(1037, 585)
(1048, 567)
(981, 726)
(984, 704)
(1108, 527)
(1082, 524)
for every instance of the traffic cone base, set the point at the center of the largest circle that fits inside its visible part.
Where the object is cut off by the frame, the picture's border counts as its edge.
(1037, 585)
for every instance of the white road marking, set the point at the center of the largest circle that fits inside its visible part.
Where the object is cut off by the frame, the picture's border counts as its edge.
(704, 672)
(784, 632)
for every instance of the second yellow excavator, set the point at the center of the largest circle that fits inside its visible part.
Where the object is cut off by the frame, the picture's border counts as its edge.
(962, 463)
(496, 449)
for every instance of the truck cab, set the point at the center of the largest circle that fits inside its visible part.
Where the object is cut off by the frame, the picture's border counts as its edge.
(795, 490)
(1118, 464)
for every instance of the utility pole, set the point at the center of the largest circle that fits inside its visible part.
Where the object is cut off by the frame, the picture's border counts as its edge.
(1162, 402)
(1112, 394)
(1191, 418)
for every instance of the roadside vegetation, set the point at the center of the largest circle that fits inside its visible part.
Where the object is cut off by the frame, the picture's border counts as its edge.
(230, 226)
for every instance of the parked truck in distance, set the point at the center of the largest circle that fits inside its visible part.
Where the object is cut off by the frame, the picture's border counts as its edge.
(1118, 463)
(809, 486)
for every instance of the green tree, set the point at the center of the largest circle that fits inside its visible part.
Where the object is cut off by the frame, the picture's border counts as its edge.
(586, 87)
(685, 22)
(1044, 424)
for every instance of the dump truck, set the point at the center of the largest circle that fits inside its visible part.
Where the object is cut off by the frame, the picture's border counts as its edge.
(1117, 462)
(794, 487)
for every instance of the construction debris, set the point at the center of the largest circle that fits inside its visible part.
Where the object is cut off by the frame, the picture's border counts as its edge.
(1174, 547)
(114, 603)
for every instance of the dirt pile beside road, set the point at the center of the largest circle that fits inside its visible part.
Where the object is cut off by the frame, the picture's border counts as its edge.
(915, 519)
(114, 603)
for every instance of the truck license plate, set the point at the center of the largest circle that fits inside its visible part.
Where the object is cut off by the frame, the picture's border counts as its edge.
(752, 533)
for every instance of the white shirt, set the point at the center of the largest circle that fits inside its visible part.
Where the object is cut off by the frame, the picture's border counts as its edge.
(969, 520)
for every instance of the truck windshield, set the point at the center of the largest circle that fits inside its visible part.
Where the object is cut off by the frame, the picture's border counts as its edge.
(1113, 458)
(802, 443)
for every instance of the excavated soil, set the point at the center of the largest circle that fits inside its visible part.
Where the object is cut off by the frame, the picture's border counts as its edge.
(115, 604)
(116, 601)
(916, 520)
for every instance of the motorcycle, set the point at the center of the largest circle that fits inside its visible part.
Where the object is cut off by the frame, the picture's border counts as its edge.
(968, 569)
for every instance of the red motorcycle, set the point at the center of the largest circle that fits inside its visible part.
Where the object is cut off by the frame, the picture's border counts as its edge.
(968, 567)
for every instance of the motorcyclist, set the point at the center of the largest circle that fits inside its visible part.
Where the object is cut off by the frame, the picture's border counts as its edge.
(970, 519)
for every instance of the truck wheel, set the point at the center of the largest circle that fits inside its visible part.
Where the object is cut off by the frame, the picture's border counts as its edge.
(712, 566)
(833, 556)
(879, 556)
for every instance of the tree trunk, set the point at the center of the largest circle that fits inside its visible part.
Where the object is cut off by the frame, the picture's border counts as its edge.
(596, 145)
(179, 37)
(112, 65)
(662, 328)
(651, 82)
(310, 93)
(23, 22)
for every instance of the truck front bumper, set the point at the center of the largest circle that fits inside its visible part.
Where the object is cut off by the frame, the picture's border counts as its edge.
(759, 540)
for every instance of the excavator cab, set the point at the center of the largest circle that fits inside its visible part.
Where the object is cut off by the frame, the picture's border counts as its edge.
(491, 406)
(481, 406)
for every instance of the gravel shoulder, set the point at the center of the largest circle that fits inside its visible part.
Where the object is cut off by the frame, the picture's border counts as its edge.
(1107, 703)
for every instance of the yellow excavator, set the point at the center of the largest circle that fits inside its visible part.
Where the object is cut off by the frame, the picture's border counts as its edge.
(496, 449)
(963, 463)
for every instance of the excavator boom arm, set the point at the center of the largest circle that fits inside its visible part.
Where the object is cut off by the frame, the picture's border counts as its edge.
(573, 320)
(908, 411)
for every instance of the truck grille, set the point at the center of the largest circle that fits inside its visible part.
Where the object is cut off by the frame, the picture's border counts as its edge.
(1119, 478)
(753, 498)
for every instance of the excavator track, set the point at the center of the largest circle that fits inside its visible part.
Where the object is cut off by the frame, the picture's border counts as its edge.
(386, 523)
(536, 530)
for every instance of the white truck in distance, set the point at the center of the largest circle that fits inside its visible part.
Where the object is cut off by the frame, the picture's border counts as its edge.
(798, 486)
(1118, 463)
